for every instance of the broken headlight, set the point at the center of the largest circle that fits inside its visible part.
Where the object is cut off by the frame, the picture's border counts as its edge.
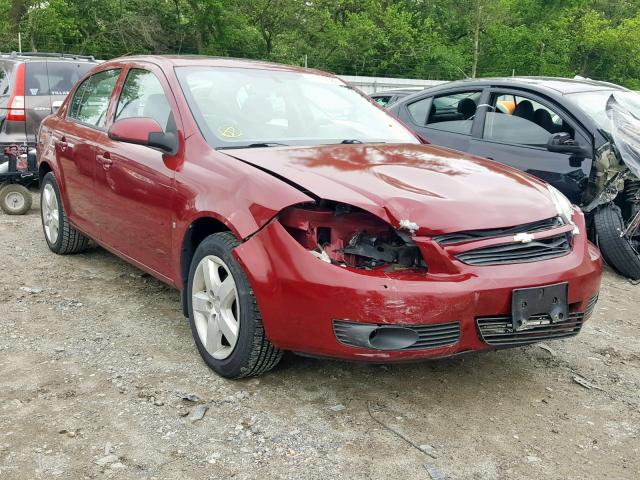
(563, 206)
(348, 236)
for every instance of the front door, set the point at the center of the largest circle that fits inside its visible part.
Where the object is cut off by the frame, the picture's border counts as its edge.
(515, 130)
(135, 183)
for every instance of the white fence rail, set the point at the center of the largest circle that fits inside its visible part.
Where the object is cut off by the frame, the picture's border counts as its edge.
(380, 84)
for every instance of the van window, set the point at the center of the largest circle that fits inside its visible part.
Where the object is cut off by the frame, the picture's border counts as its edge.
(53, 78)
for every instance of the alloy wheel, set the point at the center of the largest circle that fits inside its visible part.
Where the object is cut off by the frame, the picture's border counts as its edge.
(216, 308)
(50, 213)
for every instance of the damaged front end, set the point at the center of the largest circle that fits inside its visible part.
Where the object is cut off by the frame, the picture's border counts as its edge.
(347, 236)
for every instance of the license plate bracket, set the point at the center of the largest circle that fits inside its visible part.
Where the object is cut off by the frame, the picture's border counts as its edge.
(551, 300)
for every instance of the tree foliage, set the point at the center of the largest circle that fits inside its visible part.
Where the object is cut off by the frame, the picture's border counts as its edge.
(439, 39)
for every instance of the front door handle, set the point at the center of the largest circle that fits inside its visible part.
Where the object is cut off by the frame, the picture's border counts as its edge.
(105, 160)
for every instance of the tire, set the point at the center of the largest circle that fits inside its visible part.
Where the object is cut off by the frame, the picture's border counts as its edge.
(15, 199)
(67, 239)
(251, 353)
(616, 250)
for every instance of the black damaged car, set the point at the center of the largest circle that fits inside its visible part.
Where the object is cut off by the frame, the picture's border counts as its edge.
(581, 136)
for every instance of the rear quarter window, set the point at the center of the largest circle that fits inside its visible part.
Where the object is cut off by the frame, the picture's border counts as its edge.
(53, 78)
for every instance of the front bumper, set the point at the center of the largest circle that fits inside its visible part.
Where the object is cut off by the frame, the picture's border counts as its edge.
(300, 296)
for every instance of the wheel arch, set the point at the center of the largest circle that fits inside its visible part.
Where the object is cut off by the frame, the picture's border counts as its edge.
(43, 169)
(199, 229)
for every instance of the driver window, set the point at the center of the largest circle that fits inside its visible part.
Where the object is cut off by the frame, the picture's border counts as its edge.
(522, 121)
(454, 113)
(143, 96)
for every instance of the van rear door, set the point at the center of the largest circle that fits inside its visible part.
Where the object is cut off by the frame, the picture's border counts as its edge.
(45, 83)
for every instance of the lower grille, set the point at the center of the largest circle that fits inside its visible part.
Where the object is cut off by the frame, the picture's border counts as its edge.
(499, 330)
(399, 337)
(509, 253)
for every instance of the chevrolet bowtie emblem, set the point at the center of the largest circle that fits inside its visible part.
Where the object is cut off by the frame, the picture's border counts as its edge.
(523, 238)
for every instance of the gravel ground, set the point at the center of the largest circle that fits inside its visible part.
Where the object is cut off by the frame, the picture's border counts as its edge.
(99, 378)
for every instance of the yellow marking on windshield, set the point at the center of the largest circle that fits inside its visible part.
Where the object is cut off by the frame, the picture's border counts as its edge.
(230, 132)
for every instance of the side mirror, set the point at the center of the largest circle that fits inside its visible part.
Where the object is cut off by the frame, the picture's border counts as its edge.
(144, 131)
(563, 143)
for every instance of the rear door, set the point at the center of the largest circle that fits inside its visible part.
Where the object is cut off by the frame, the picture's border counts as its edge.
(45, 83)
(444, 119)
(77, 145)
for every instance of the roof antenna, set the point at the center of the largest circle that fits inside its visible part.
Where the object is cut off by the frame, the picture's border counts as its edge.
(20, 43)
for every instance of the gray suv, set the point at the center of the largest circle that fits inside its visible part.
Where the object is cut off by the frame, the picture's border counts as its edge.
(32, 86)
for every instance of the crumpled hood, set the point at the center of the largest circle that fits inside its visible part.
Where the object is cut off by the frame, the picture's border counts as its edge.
(440, 190)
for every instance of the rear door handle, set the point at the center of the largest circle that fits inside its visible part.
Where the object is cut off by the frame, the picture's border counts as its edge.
(105, 160)
(62, 143)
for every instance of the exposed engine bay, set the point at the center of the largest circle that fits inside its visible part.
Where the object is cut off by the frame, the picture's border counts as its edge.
(348, 236)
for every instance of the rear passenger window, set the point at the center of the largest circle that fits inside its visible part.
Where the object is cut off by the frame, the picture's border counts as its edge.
(91, 100)
(454, 113)
(143, 96)
(53, 78)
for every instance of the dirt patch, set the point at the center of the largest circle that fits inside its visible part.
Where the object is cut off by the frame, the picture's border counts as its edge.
(100, 378)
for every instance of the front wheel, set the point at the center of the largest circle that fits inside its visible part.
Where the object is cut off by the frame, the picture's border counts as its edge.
(617, 249)
(223, 312)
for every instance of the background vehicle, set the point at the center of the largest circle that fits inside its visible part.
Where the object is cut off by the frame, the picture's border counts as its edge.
(294, 214)
(550, 127)
(32, 86)
(389, 97)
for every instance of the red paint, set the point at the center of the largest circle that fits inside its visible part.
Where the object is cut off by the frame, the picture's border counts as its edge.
(140, 203)
(134, 130)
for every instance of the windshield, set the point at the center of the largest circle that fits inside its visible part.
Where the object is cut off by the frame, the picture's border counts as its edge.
(594, 104)
(237, 107)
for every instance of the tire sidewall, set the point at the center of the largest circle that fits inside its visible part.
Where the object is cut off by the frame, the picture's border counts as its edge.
(617, 251)
(49, 178)
(236, 363)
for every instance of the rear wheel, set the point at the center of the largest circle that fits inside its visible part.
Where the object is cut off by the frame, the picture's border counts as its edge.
(62, 238)
(223, 312)
(15, 199)
(618, 250)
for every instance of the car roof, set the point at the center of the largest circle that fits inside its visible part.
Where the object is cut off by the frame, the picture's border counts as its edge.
(46, 56)
(201, 60)
(558, 85)
(397, 91)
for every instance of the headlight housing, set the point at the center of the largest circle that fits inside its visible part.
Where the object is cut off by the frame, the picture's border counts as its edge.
(564, 207)
(347, 236)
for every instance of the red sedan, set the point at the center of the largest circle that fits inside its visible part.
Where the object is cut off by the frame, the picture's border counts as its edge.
(294, 214)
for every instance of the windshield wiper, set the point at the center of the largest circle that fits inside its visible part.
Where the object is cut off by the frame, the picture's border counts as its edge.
(350, 141)
(255, 145)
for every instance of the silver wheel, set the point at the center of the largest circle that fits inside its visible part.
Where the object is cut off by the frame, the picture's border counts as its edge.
(50, 213)
(216, 308)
